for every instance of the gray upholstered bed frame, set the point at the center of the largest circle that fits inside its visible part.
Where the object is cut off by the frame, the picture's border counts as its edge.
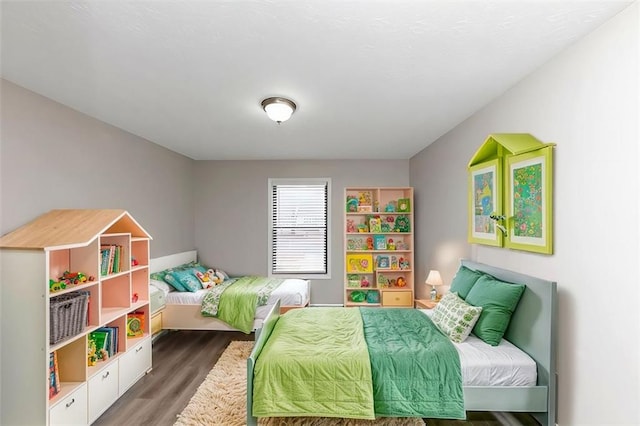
(532, 329)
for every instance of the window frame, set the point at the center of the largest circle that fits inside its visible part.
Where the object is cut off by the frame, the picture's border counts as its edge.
(298, 181)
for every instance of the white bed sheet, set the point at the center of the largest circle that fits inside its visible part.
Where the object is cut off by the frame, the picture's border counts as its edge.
(292, 291)
(486, 365)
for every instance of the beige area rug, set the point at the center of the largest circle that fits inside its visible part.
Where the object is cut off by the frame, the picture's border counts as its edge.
(222, 399)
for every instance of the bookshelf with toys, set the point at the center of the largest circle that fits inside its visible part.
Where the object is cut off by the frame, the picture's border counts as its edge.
(378, 247)
(76, 287)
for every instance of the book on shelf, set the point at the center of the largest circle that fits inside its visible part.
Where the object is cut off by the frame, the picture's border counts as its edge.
(110, 259)
(54, 375)
(105, 339)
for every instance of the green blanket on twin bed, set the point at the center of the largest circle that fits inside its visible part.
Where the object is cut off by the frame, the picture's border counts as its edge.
(357, 363)
(235, 301)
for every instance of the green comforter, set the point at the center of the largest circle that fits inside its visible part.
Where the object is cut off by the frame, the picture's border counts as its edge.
(315, 363)
(235, 301)
(357, 363)
(416, 369)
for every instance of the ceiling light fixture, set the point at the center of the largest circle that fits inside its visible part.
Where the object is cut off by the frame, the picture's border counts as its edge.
(278, 109)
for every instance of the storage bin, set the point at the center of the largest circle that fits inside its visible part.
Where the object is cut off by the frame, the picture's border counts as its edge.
(68, 315)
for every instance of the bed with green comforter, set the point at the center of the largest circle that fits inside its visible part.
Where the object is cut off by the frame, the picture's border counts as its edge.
(357, 363)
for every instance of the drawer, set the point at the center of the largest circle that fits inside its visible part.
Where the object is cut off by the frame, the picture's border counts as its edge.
(397, 298)
(156, 322)
(134, 364)
(103, 390)
(71, 410)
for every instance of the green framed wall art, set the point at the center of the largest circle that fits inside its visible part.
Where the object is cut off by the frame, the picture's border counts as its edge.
(510, 193)
(485, 198)
(529, 201)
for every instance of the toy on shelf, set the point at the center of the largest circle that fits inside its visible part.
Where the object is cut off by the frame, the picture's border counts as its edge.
(394, 262)
(401, 282)
(74, 278)
(402, 224)
(365, 203)
(352, 204)
(375, 225)
(390, 207)
(364, 282)
(363, 228)
(391, 245)
(373, 296)
(56, 285)
(382, 262)
(404, 205)
(351, 227)
(134, 261)
(383, 281)
(353, 280)
(358, 296)
(404, 263)
(379, 242)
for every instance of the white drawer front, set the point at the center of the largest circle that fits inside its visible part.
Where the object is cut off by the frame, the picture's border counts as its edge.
(72, 410)
(103, 390)
(134, 364)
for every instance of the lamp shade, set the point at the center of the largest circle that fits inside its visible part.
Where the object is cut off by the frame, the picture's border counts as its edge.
(278, 109)
(434, 279)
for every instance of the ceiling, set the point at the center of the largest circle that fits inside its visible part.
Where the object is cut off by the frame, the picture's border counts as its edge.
(372, 79)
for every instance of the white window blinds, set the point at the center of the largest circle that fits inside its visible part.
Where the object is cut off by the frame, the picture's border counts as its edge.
(299, 228)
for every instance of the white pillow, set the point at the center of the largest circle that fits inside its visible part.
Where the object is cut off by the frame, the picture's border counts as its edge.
(161, 285)
(455, 317)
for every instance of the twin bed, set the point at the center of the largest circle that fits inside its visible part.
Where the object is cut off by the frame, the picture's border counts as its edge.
(182, 310)
(518, 375)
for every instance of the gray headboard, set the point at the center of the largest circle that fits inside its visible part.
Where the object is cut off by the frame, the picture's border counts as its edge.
(533, 324)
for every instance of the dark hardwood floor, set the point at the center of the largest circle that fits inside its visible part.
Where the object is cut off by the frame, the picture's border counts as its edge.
(182, 360)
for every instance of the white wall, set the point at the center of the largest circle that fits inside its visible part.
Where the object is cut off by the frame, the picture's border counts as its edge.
(586, 101)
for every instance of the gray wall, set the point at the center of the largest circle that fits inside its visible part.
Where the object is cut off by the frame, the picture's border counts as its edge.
(232, 211)
(586, 101)
(54, 157)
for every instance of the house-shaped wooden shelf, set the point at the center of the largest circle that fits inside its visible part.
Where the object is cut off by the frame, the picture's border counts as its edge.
(510, 193)
(46, 317)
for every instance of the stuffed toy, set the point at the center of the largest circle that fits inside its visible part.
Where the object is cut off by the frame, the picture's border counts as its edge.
(209, 279)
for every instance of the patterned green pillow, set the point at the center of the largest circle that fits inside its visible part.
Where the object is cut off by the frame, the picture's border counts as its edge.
(455, 317)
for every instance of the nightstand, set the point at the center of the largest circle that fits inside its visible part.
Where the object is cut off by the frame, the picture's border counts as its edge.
(425, 303)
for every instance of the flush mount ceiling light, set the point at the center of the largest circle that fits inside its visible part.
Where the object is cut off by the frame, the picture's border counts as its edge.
(278, 109)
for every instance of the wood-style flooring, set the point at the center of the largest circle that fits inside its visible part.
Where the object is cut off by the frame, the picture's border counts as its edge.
(182, 360)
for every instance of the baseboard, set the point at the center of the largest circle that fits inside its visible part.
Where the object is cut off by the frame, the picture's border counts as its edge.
(317, 305)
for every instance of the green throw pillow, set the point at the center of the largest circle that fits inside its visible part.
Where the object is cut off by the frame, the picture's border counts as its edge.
(498, 300)
(455, 317)
(176, 279)
(463, 281)
(185, 278)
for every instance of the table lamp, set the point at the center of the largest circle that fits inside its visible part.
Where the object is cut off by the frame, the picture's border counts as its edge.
(433, 279)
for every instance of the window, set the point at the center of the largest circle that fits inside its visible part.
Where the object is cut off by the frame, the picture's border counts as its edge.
(299, 223)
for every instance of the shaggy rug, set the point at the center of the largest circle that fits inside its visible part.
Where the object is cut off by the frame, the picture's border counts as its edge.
(222, 398)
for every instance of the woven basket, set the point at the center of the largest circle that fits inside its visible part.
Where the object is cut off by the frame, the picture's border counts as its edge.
(68, 315)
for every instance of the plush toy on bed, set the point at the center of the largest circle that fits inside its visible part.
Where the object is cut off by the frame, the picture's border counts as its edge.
(210, 278)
